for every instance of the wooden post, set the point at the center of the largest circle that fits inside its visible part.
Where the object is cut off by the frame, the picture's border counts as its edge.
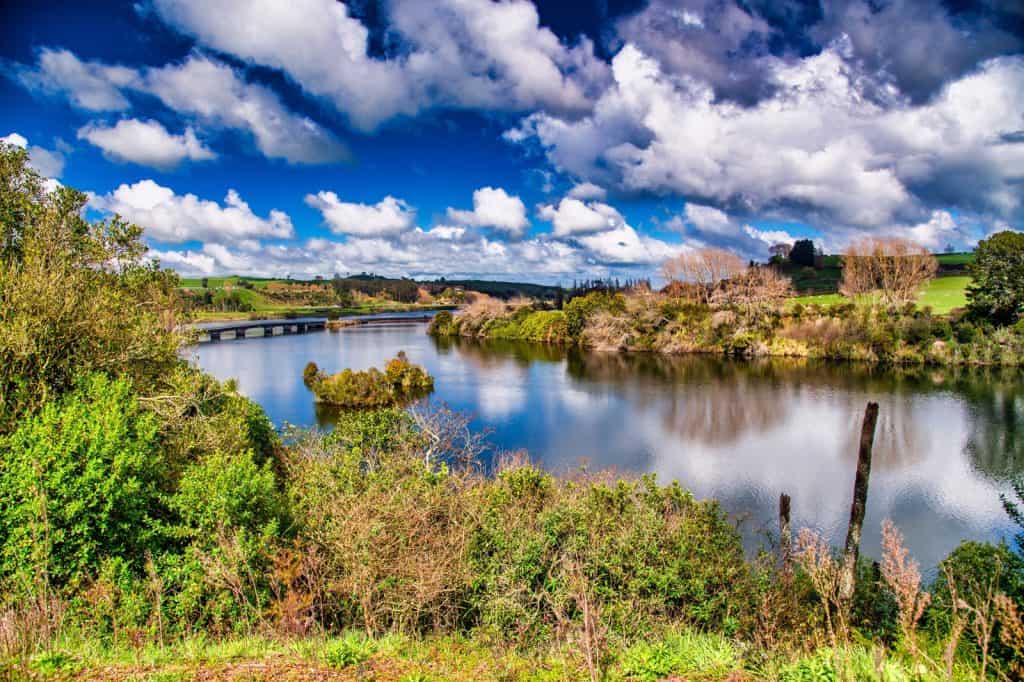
(785, 532)
(847, 581)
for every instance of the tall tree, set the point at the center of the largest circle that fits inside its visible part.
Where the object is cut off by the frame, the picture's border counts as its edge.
(997, 289)
(802, 253)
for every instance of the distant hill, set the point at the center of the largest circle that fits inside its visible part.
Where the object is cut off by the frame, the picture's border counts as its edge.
(502, 290)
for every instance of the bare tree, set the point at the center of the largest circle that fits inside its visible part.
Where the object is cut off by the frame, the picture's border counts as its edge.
(757, 287)
(703, 268)
(895, 268)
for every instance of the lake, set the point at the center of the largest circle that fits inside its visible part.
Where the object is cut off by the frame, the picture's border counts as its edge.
(741, 432)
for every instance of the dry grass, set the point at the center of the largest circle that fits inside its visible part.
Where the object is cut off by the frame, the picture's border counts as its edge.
(814, 555)
(903, 577)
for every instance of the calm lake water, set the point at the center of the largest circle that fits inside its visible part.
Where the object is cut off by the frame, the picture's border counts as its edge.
(740, 432)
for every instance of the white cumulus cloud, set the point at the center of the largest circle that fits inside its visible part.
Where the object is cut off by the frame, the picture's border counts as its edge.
(588, 190)
(199, 88)
(214, 93)
(495, 208)
(146, 143)
(573, 217)
(172, 218)
(89, 85)
(388, 217)
(820, 148)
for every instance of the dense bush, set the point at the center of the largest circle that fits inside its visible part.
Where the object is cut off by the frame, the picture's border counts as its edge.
(79, 484)
(802, 253)
(400, 382)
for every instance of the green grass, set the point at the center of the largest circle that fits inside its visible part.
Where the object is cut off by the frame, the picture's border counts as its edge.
(948, 259)
(682, 654)
(943, 294)
(219, 282)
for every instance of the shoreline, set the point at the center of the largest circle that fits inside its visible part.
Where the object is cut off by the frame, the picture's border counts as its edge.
(665, 326)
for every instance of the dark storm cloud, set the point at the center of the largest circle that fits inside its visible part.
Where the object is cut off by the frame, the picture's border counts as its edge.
(916, 45)
(716, 41)
(923, 45)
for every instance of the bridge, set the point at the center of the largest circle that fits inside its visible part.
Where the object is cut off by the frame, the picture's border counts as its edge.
(238, 330)
(215, 331)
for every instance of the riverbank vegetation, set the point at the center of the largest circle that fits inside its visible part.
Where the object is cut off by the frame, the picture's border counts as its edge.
(153, 524)
(716, 304)
(401, 382)
(233, 298)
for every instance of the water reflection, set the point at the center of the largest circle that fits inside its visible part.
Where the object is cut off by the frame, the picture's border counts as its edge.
(741, 432)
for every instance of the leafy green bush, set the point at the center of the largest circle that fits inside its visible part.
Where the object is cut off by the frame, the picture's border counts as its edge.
(645, 552)
(578, 310)
(996, 291)
(975, 568)
(79, 483)
(228, 492)
(77, 296)
(443, 324)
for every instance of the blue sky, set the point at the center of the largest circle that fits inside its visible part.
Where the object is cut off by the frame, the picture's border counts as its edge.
(546, 141)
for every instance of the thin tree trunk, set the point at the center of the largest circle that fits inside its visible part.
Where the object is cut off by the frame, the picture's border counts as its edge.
(860, 497)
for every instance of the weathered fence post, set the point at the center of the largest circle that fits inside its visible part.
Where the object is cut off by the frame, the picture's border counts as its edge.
(848, 577)
(785, 532)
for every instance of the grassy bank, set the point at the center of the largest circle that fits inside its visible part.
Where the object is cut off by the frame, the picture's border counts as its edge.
(812, 327)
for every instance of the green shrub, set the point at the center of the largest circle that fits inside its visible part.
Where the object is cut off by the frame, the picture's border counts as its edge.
(578, 310)
(78, 484)
(975, 567)
(647, 552)
(228, 492)
(443, 324)
(351, 649)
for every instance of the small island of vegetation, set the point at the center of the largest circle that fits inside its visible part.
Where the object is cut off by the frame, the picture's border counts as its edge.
(399, 383)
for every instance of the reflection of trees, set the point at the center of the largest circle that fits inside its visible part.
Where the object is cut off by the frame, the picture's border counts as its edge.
(706, 398)
(900, 435)
(487, 353)
(996, 441)
(716, 400)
